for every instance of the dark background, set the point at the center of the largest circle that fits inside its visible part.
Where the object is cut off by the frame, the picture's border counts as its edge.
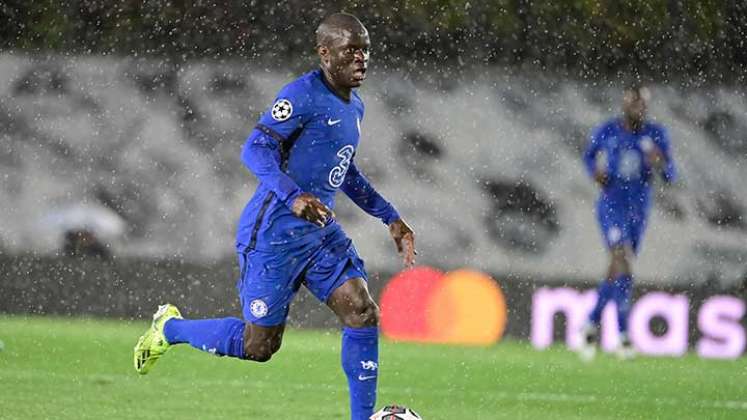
(659, 39)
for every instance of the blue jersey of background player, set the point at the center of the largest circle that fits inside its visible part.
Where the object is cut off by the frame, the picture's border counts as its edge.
(622, 156)
(303, 151)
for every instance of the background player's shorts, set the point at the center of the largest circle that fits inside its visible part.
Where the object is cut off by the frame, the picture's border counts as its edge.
(621, 225)
(270, 279)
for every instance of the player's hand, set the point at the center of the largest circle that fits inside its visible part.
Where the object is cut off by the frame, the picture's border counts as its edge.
(601, 178)
(655, 159)
(307, 206)
(654, 156)
(404, 238)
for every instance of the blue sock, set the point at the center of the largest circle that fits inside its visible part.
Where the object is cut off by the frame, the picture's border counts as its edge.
(623, 292)
(360, 361)
(605, 292)
(221, 336)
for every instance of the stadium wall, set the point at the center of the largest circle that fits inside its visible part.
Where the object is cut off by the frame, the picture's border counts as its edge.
(707, 318)
(484, 164)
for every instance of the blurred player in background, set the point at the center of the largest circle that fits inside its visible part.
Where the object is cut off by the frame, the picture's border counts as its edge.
(623, 156)
(302, 150)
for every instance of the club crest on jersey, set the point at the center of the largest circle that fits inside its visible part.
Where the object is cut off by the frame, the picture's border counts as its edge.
(258, 308)
(282, 110)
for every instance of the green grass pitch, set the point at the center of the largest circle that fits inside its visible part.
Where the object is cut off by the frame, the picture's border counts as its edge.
(70, 368)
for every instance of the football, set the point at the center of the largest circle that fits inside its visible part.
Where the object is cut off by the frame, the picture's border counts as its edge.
(395, 412)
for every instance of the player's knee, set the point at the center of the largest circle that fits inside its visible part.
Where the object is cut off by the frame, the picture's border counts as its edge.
(257, 355)
(275, 346)
(621, 257)
(260, 353)
(366, 314)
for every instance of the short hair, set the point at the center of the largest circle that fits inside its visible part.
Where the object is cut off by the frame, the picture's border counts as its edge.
(332, 24)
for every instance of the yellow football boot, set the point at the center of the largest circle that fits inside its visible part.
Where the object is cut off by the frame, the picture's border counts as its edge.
(152, 345)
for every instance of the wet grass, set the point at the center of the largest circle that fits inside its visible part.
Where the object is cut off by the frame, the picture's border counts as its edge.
(65, 368)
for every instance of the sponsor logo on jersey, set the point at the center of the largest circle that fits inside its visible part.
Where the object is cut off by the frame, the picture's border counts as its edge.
(337, 174)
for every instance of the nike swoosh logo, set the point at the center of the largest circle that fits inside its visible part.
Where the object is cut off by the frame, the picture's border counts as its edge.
(332, 122)
(365, 378)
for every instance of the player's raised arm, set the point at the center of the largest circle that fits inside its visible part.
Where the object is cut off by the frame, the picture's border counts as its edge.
(362, 193)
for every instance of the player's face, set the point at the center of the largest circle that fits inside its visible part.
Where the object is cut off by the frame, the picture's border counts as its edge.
(634, 106)
(347, 58)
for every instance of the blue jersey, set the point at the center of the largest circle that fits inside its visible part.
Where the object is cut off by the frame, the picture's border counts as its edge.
(622, 155)
(305, 142)
(623, 204)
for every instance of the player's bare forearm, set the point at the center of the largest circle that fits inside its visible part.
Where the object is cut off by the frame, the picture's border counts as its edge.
(404, 239)
(656, 159)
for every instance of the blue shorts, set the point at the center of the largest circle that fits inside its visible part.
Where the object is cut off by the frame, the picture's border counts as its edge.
(270, 279)
(621, 226)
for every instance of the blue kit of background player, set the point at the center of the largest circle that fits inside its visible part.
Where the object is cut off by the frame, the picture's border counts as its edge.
(622, 156)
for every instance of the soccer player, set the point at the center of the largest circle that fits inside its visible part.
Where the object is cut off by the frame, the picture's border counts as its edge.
(622, 157)
(302, 150)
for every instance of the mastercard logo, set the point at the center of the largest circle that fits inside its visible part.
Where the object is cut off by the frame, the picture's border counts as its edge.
(426, 305)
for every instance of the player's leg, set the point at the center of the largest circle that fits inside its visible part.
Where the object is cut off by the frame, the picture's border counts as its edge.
(256, 339)
(226, 337)
(265, 296)
(619, 266)
(260, 343)
(267, 285)
(357, 311)
(624, 284)
(219, 336)
(353, 305)
(336, 276)
(611, 222)
(623, 294)
(590, 332)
